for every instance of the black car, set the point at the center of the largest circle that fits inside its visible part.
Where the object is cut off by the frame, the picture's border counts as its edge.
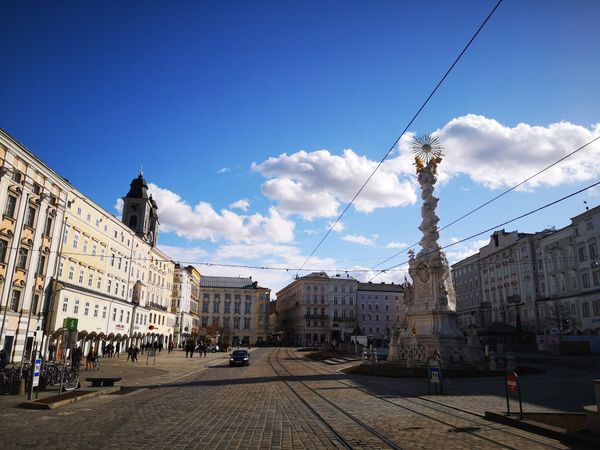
(239, 357)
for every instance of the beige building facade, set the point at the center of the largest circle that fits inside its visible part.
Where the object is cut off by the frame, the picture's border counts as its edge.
(32, 200)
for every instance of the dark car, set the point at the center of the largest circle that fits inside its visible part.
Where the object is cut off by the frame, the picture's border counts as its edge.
(239, 357)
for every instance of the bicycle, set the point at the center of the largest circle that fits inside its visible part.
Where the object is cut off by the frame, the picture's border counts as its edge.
(70, 377)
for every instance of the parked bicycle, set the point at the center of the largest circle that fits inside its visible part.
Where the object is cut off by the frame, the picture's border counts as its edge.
(51, 373)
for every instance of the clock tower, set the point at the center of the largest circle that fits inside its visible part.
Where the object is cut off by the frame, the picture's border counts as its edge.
(140, 212)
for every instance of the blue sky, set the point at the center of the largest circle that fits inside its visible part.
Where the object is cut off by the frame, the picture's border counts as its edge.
(207, 96)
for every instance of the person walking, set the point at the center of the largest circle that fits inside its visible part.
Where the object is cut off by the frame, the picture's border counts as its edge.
(89, 360)
(134, 353)
(171, 346)
(118, 348)
(51, 351)
(76, 358)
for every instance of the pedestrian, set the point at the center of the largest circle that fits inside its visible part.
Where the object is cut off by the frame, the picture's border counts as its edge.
(129, 351)
(3, 359)
(76, 357)
(192, 348)
(204, 350)
(134, 353)
(118, 348)
(89, 360)
(160, 347)
(171, 346)
(51, 350)
(104, 349)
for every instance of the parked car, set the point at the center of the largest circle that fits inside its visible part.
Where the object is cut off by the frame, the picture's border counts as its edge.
(239, 358)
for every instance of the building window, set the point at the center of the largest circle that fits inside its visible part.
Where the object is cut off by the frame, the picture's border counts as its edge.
(34, 303)
(3, 248)
(75, 239)
(596, 277)
(227, 308)
(581, 252)
(237, 308)
(41, 268)
(104, 309)
(114, 314)
(585, 309)
(15, 300)
(48, 227)
(99, 282)
(22, 258)
(593, 249)
(236, 323)
(216, 307)
(596, 307)
(247, 323)
(80, 276)
(66, 235)
(90, 279)
(86, 310)
(65, 305)
(30, 218)
(247, 308)
(121, 316)
(76, 307)
(96, 308)
(585, 279)
(11, 205)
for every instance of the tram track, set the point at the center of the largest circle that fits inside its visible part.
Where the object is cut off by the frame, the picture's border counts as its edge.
(424, 403)
(351, 437)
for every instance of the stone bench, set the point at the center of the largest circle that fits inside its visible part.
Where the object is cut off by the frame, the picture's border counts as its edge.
(103, 381)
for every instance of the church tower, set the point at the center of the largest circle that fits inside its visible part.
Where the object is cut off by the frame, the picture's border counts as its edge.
(140, 212)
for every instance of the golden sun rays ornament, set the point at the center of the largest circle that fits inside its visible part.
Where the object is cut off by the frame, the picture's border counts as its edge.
(426, 148)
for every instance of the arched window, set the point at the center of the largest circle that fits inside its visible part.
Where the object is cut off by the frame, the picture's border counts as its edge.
(133, 221)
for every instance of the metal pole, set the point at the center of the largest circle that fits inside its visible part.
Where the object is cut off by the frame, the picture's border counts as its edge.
(520, 402)
(507, 400)
(25, 346)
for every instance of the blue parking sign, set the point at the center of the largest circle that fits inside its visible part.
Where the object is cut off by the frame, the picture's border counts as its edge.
(435, 375)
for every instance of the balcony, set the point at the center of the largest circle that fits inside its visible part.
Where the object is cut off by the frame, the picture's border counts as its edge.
(316, 316)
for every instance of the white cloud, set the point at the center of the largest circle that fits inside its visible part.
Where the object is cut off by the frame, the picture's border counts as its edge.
(119, 206)
(396, 245)
(311, 231)
(233, 256)
(315, 184)
(463, 250)
(362, 240)
(242, 204)
(338, 227)
(203, 222)
(224, 170)
(495, 155)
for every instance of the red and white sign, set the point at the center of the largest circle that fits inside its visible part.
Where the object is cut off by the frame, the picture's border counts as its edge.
(511, 382)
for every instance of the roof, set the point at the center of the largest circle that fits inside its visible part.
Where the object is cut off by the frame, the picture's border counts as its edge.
(228, 282)
(380, 287)
(138, 188)
(316, 275)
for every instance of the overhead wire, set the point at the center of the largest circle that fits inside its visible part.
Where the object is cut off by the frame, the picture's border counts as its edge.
(414, 117)
(495, 227)
(66, 254)
(502, 194)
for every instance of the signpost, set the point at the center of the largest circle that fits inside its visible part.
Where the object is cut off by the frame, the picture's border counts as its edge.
(511, 386)
(434, 374)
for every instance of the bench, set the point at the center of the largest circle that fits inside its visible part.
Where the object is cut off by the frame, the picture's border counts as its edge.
(103, 381)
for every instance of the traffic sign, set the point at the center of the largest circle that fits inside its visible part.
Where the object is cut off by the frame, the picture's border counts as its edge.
(36, 372)
(70, 323)
(512, 383)
(435, 375)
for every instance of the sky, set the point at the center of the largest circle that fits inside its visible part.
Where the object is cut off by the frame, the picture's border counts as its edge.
(255, 123)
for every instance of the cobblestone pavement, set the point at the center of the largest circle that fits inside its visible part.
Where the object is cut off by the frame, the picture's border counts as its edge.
(206, 404)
